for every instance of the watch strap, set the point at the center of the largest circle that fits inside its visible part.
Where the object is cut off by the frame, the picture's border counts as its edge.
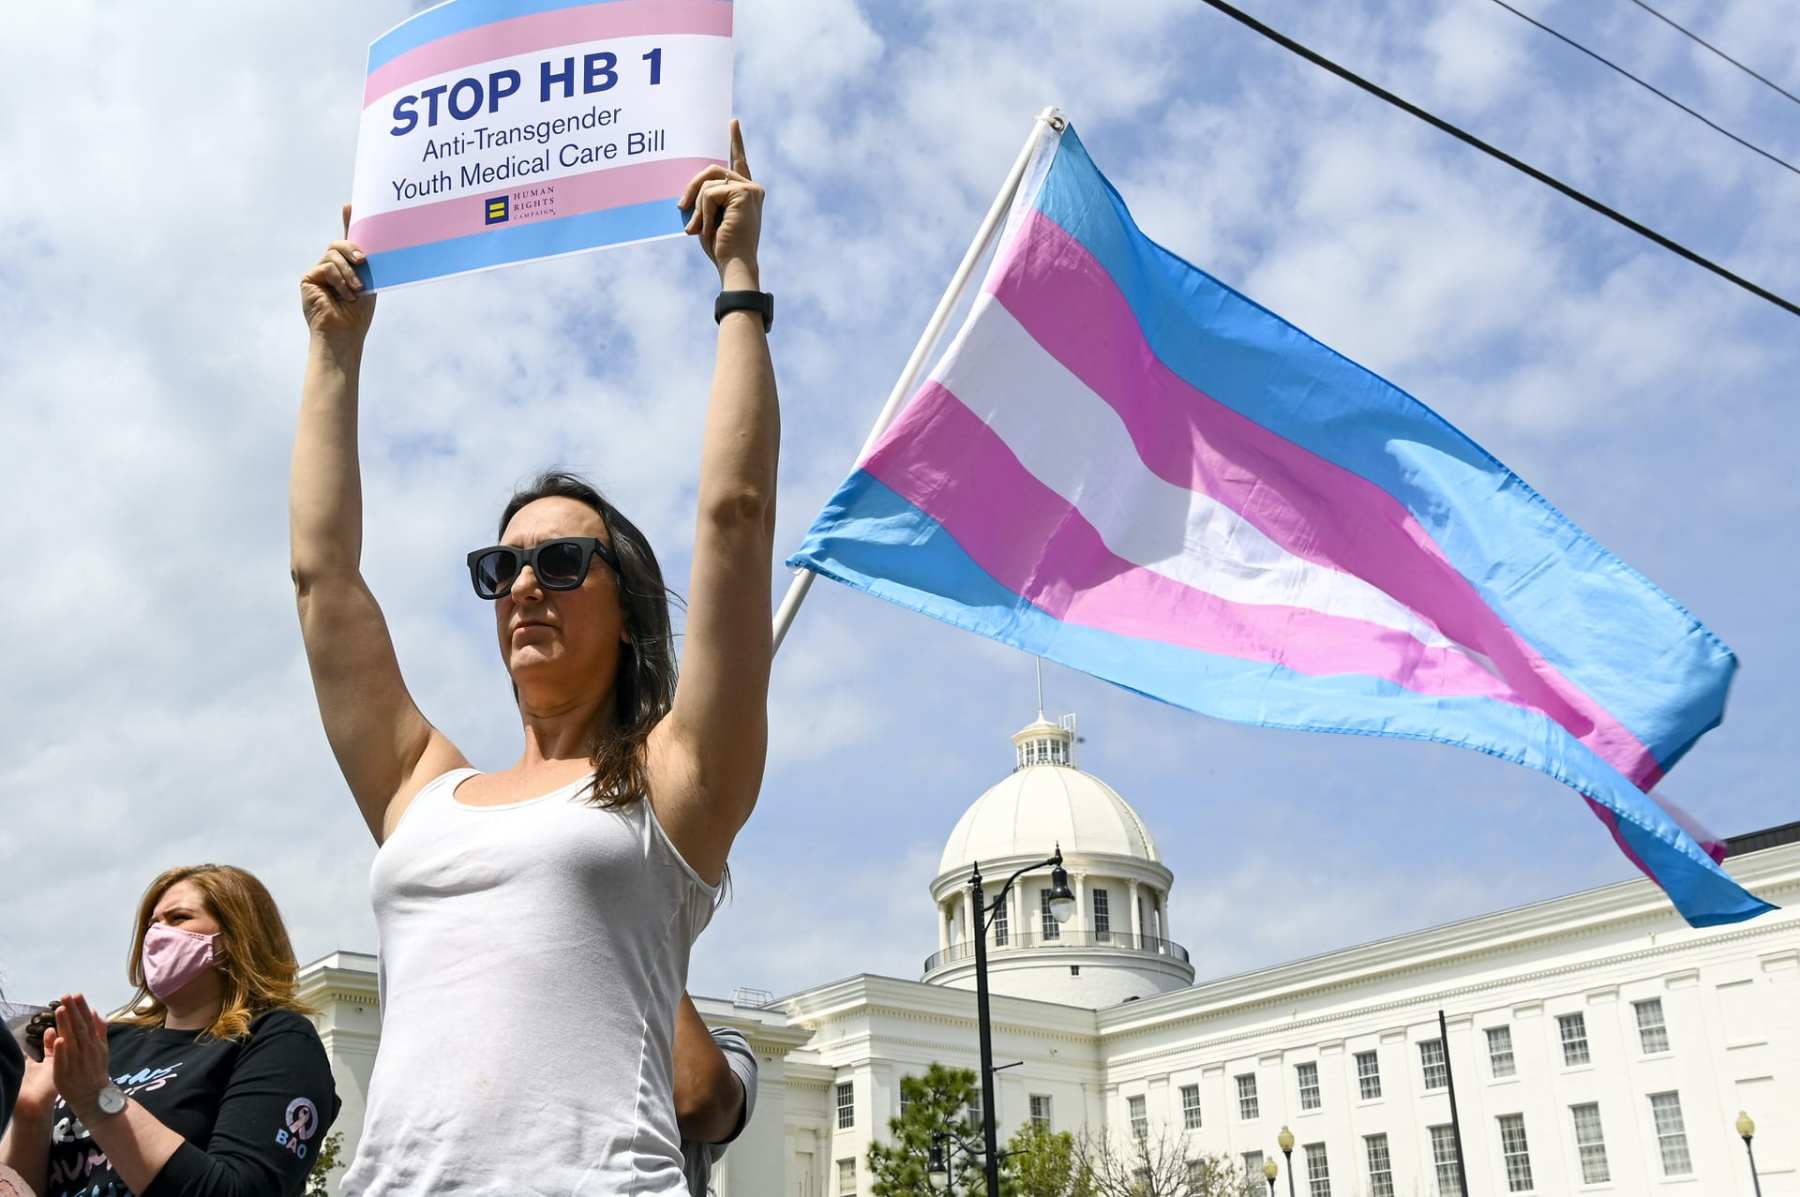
(760, 302)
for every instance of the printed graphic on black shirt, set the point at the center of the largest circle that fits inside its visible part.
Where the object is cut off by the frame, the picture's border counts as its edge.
(302, 1120)
(251, 1111)
(71, 1169)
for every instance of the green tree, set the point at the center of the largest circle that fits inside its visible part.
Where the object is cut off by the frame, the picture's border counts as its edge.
(1042, 1163)
(318, 1181)
(937, 1103)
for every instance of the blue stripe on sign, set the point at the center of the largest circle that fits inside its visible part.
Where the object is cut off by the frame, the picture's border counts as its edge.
(1606, 627)
(454, 16)
(871, 538)
(523, 242)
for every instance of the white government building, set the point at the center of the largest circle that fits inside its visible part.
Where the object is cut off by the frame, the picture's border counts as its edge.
(1598, 1044)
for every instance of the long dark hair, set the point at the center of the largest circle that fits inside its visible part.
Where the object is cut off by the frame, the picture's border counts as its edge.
(644, 685)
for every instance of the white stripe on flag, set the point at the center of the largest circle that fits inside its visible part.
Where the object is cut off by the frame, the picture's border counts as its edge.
(1073, 442)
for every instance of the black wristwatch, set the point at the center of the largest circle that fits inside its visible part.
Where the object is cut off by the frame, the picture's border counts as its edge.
(746, 301)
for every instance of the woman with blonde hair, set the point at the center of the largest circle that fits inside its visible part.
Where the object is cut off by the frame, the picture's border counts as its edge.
(213, 1083)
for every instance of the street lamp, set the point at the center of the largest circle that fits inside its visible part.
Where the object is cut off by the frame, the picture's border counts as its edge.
(1062, 906)
(938, 1162)
(1746, 1129)
(1286, 1141)
(1270, 1171)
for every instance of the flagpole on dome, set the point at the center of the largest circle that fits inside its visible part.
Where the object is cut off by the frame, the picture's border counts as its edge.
(1050, 121)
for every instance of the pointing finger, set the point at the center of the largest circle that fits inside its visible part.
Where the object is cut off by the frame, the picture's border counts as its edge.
(346, 220)
(739, 163)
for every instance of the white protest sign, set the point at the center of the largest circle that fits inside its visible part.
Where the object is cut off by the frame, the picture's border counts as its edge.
(499, 131)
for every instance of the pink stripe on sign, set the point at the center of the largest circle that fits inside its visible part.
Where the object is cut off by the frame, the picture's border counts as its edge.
(547, 30)
(574, 195)
(957, 470)
(1311, 507)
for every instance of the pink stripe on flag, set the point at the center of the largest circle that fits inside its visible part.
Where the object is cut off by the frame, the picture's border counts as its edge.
(957, 470)
(576, 195)
(544, 31)
(1314, 509)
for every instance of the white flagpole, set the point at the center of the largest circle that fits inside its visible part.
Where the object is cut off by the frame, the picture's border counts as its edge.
(1049, 120)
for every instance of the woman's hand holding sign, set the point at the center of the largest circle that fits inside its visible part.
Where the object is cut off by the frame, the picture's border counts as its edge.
(727, 216)
(331, 295)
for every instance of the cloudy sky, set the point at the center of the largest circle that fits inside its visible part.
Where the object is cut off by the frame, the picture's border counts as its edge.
(170, 172)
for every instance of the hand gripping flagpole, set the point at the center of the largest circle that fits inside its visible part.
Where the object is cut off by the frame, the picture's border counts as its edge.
(1049, 121)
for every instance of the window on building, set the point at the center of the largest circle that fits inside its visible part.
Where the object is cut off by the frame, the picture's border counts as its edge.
(1102, 916)
(1590, 1143)
(1140, 1177)
(1040, 1110)
(1318, 1171)
(1308, 1076)
(1368, 1075)
(1653, 1032)
(1381, 1168)
(1516, 1153)
(1190, 1107)
(1500, 1053)
(847, 1175)
(975, 1106)
(1140, 1119)
(1046, 921)
(1253, 1161)
(1196, 1174)
(905, 1101)
(846, 1105)
(1000, 922)
(1247, 1106)
(1671, 1134)
(1431, 1063)
(1574, 1038)
(1445, 1160)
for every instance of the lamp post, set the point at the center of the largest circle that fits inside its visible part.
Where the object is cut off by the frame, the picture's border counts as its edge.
(1286, 1141)
(1270, 1171)
(938, 1162)
(1062, 906)
(1746, 1129)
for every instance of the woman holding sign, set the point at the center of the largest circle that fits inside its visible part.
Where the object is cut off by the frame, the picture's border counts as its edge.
(535, 922)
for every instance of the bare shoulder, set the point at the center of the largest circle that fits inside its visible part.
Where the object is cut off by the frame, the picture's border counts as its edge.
(440, 757)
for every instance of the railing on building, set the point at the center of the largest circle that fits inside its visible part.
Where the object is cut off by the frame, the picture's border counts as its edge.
(1085, 941)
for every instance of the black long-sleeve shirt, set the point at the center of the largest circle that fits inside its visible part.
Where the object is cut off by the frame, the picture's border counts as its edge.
(253, 1111)
(12, 1071)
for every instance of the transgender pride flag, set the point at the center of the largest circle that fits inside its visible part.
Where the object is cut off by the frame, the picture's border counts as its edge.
(1127, 467)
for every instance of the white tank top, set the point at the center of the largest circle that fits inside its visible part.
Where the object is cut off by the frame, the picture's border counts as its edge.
(532, 956)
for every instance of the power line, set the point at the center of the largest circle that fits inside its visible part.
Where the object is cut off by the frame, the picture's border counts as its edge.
(1728, 58)
(1319, 60)
(1604, 61)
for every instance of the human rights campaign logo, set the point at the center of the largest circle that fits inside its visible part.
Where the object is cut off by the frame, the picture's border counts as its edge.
(499, 209)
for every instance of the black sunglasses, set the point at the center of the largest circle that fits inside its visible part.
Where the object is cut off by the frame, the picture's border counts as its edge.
(560, 564)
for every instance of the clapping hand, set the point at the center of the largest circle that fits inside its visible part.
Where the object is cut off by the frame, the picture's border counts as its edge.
(76, 1053)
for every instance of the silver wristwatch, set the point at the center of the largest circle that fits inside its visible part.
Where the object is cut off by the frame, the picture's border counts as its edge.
(111, 1100)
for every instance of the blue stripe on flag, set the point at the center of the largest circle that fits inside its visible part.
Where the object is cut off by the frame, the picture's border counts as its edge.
(1606, 627)
(454, 16)
(523, 242)
(871, 538)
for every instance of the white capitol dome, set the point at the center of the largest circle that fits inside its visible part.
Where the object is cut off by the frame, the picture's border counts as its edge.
(1045, 804)
(1116, 946)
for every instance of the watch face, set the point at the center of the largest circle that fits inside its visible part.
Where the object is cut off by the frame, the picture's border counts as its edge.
(112, 1100)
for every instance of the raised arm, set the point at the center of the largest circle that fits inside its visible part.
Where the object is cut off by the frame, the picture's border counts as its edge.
(383, 744)
(706, 758)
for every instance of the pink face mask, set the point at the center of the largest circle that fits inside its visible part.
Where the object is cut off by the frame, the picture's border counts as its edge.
(173, 957)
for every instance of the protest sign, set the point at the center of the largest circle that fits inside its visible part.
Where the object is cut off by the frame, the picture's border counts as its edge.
(499, 131)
